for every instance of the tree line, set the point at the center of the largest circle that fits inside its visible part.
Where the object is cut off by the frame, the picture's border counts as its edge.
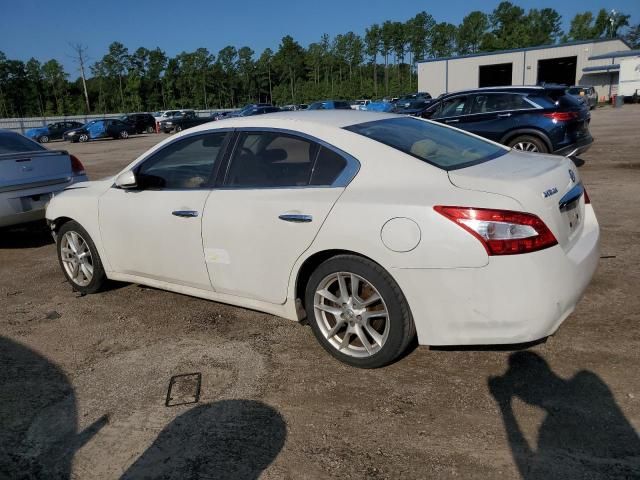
(381, 62)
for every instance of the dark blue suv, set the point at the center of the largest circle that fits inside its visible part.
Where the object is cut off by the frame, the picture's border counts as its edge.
(535, 119)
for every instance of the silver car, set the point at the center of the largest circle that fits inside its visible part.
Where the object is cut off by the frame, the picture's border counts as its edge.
(587, 94)
(30, 175)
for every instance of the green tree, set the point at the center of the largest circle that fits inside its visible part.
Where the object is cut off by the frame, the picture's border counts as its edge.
(470, 32)
(509, 27)
(373, 44)
(443, 43)
(544, 26)
(633, 36)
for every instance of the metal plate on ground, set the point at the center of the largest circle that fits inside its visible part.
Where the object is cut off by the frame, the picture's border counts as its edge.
(184, 389)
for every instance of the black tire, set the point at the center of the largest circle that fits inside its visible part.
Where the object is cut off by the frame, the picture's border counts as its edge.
(99, 277)
(401, 329)
(540, 145)
(178, 129)
(150, 129)
(43, 139)
(84, 137)
(123, 134)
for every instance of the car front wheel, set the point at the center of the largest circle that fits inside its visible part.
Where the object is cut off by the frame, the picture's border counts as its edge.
(79, 258)
(124, 134)
(358, 312)
(528, 143)
(43, 139)
(83, 138)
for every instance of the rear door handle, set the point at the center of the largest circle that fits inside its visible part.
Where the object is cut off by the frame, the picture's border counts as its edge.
(295, 217)
(452, 121)
(185, 213)
(504, 115)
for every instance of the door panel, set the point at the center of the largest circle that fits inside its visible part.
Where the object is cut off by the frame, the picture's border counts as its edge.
(249, 250)
(142, 236)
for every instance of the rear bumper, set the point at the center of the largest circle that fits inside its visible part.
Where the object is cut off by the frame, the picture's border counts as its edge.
(23, 206)
(576, 148)
(513, 299)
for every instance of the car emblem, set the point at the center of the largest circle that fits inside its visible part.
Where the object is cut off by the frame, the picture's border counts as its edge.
(548, 193)
(572, 176)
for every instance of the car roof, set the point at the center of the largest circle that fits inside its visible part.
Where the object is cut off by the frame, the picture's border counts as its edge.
(306, 118)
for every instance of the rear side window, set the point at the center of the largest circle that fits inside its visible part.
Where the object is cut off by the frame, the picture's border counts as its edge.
(329, 165)
(184, 164)
(498, 102)
(11, 142)
(271, 159)
(436, 144)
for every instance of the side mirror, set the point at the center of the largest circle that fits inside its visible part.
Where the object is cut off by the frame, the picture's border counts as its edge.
(126, 180)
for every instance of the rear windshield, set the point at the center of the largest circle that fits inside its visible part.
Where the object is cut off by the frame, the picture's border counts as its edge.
(436, 144)
(14, 143)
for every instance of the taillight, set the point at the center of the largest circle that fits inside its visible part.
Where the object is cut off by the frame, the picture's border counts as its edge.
(76, 166)
(561, 116)
(502, 232)
(587, 200)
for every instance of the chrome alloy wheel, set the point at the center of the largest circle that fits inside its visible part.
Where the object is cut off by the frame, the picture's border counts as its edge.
(76, 258)
(124, 134)
(84, 138)
(526, 146)
(351, 314)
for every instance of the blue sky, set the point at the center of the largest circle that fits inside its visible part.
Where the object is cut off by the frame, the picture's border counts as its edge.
(43, 29)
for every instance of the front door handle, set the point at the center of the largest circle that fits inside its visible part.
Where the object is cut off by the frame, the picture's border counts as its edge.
(185, 213)
(504, 115)
(295, 217)
(452, 121)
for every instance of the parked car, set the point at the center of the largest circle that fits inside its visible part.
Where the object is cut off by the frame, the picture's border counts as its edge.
(372, 226)
(144, 122)
(254, 109)
(380, 106)
(221, 115)
(330, 105)
(166, 115)
(536, 119)
(106, 127)
(405, 101)
(587, 94)
(359, 104)
(182, 122)
(53, 131)
(415, 107)
(30, 175)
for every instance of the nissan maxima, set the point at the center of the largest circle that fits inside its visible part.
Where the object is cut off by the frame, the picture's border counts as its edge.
(373, 227)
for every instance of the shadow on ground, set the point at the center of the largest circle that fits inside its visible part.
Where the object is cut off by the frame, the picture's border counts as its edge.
(38, 416)
(229, 439)
(584, 433)
(29, 235)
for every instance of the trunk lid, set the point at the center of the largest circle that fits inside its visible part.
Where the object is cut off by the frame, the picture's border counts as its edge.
(546, 185)
(32, 169)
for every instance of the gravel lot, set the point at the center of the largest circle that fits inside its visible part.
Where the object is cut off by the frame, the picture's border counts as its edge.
(83, 380)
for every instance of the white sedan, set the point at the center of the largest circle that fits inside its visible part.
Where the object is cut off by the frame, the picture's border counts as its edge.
(374, 227)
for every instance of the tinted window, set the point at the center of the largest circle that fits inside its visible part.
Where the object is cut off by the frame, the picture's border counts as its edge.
(13, 143)
(497, 102)
(184, 164)
(342, 105)
(328, 167)
(452, 107)
(268, 159)
(436, 144)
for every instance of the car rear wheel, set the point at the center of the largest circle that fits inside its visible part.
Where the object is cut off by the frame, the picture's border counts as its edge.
(83, 138)
(357, 312)
(178, 129)
(43, 139)
(79, 258)
(528, 143)
(124, 134)
(150, 129)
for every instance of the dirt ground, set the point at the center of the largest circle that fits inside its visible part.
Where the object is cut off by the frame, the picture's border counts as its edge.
(83, 380)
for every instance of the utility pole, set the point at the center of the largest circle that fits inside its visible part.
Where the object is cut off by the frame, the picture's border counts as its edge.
(81, 57)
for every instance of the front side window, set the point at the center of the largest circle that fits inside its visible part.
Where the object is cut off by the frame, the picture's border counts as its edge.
(271, 159)
(185, 164)
(452, 107)
(433, 143)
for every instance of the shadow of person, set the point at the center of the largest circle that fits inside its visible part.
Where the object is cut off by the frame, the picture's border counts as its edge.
(38, 416)
(584, 433)
(229, 439)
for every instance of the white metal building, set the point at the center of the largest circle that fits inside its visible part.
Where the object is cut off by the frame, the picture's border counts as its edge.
(593, 63)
